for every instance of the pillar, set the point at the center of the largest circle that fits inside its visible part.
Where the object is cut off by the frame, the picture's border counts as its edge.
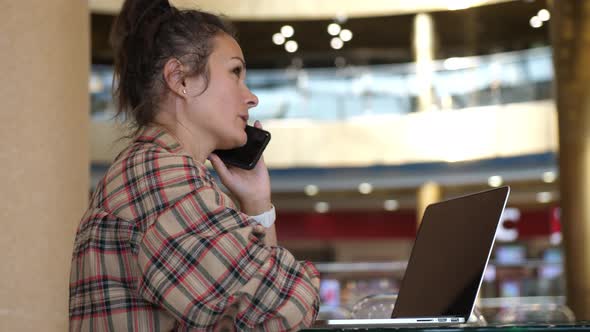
(428, 193)
(424, 42)
(44, 178)
(570, 34)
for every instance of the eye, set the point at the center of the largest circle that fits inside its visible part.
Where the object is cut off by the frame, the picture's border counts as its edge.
(237, 71)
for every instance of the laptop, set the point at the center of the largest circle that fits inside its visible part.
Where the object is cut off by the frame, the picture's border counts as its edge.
(447, 264)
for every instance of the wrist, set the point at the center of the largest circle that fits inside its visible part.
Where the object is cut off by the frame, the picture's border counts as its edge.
(256, 207)
(266, 219)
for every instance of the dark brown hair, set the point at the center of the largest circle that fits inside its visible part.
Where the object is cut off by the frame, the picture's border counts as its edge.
(146, 34)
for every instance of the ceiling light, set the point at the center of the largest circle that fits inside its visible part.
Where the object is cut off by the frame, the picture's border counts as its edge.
(536, 22)
(322, 207)
(365, 188)
(544, 15)
(336, 43)
(346, 35)
(278, 38)
(291, 46)
(544, 197)
(390, 205)
(495, 181)
(334, 29)
(549, 177)
(311, 190)
(287, 31)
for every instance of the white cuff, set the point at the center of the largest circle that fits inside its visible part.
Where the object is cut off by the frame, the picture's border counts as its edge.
(267, 218)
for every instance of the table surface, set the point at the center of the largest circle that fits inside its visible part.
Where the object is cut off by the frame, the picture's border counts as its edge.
(578, 326)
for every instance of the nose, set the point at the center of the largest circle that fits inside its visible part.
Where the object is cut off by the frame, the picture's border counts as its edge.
(251, 99)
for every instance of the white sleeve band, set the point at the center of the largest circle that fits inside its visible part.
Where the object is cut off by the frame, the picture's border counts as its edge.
(267, 218)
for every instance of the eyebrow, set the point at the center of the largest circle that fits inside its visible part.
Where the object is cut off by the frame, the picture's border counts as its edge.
(241, 60)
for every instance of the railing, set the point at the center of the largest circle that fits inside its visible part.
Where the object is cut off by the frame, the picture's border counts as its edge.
(332, 94)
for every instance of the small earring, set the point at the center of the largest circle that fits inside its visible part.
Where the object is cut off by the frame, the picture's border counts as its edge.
(184, 91)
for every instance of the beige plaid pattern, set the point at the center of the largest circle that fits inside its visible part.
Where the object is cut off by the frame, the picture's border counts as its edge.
(162, 248)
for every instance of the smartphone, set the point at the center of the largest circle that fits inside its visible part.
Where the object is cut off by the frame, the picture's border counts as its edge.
(248, 155)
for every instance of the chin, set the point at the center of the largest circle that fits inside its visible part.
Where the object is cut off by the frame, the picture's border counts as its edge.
(243, 139)
(236, 142)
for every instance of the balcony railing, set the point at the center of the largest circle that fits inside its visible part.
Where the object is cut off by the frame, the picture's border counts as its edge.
(332, 94)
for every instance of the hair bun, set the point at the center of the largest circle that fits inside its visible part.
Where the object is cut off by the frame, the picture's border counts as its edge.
(164, 5)
(152, 10)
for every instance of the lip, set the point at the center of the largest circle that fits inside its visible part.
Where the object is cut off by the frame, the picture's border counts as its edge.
(245, 117)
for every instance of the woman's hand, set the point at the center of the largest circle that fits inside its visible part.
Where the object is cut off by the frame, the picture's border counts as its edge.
(251, 187)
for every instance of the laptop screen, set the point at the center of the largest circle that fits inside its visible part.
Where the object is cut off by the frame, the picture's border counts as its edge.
(450, 254)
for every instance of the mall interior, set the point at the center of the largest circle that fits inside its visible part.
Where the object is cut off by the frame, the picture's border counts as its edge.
(376, 109)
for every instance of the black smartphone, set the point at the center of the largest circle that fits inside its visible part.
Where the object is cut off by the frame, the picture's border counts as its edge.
(246, 156)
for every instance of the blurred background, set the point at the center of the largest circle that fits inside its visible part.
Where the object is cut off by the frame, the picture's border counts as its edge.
(367, 112)
(379, 108)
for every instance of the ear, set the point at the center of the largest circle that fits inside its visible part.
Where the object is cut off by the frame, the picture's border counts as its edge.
(174, 77)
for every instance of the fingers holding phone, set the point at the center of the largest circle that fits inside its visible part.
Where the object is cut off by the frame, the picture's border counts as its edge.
(244, 172)
(263, 144)
(247, 156)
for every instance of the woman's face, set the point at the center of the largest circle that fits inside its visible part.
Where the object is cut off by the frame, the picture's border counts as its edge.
(221, 111)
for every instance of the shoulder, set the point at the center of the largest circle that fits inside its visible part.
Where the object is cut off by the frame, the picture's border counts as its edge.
(147, 178)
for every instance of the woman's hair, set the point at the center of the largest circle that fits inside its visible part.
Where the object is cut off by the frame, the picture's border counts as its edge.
(145, 35)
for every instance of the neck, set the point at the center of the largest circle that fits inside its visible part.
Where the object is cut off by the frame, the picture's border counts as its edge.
(193, 141)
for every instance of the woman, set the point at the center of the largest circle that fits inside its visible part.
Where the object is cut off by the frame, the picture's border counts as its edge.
(161, 247)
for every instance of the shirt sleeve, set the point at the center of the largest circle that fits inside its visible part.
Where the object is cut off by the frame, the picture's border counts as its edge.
(206, 264)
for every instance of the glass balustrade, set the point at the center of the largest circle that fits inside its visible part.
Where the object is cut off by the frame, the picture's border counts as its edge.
(336, 94)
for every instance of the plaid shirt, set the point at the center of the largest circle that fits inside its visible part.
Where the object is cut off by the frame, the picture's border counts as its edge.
(162, 248)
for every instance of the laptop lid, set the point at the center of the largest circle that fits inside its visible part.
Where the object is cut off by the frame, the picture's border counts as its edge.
(450, 253)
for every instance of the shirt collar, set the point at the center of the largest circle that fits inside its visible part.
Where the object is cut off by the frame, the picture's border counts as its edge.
(161, 137)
